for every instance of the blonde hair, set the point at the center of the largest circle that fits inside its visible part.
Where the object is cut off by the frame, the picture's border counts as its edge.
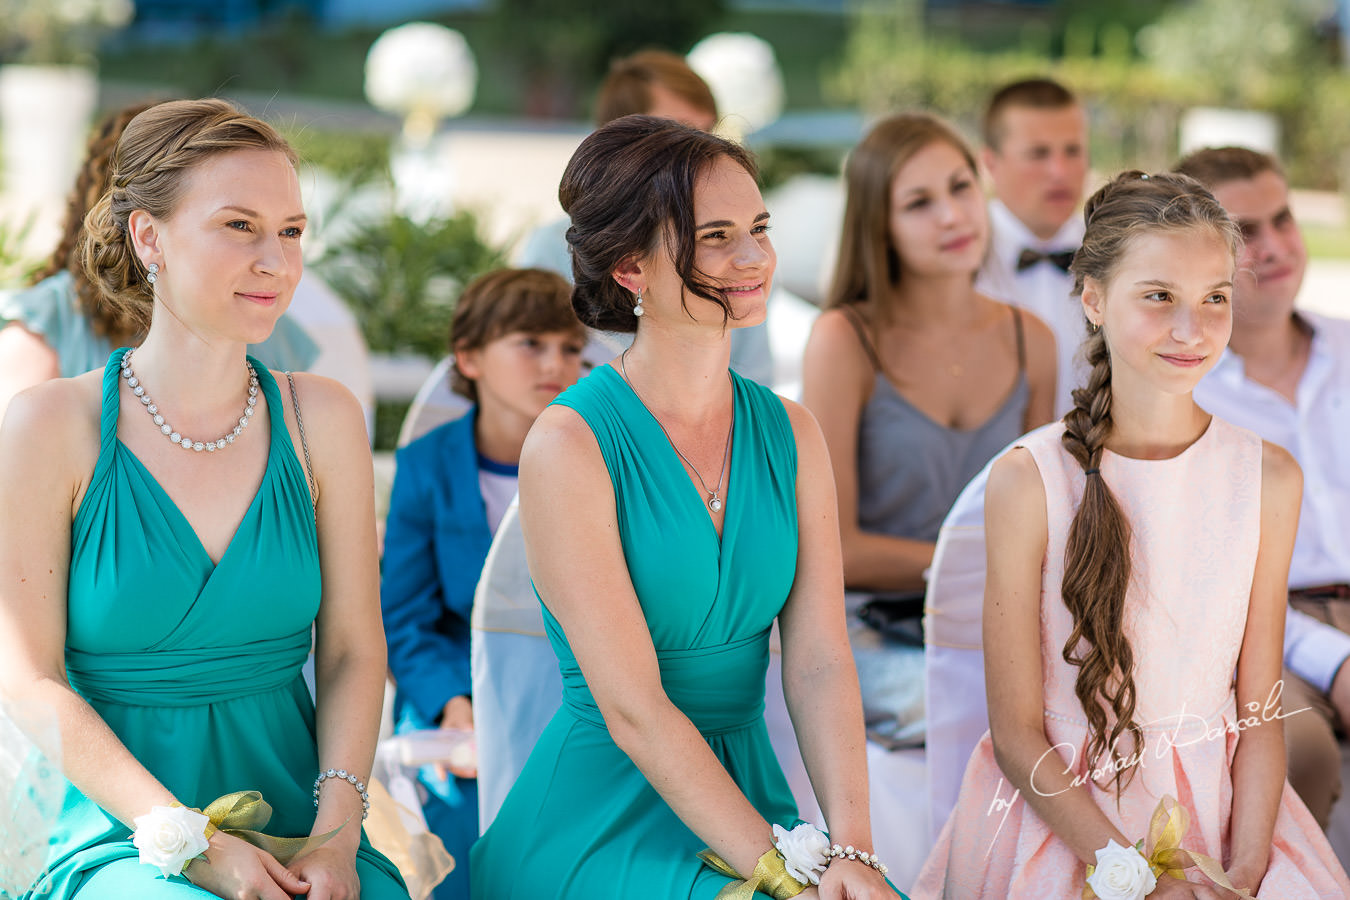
(150, 166)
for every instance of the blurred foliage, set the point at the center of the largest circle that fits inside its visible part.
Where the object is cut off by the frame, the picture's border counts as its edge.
(17, 264)
(401, 278)
(779, 163)
(1256, 54)
(559, 48)
(355, 157)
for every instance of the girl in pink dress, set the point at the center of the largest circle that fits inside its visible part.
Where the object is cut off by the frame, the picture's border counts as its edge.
(1137, 558)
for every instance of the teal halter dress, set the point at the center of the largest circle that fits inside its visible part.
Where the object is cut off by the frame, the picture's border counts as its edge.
(196, 666)
(582, 820)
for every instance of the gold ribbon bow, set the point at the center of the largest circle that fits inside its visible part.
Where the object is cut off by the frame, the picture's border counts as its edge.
(1165, 855)
(244, 814)
(770, 877)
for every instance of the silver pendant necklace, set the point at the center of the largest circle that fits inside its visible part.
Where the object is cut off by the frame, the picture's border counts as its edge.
(714, 496)
(170, 432)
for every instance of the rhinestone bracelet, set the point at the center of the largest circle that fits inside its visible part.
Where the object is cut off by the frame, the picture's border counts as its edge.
(360, 786)
(862, 856)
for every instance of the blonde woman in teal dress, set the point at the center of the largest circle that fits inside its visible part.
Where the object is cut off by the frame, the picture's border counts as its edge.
(672, 510)
(157, 591)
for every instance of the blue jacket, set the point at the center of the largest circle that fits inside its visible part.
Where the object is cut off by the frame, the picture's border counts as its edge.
(436, 540)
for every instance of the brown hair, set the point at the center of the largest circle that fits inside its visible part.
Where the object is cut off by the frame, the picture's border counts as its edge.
(1097, 553)
(629, 184)
(1031, 93)
(90, 184)
(535, 301)
(1214, 166)
(627, 90)
(157, 151)
(868, 264)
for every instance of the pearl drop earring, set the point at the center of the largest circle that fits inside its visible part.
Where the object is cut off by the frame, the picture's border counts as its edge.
(637, 307)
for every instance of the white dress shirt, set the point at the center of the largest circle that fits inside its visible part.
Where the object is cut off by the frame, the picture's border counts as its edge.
(1043, 290)
(1316, 431)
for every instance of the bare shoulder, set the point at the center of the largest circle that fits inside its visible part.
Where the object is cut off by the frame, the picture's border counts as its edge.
(832, 329)
(559, 437)
(1281, 476)
(326, 406)
(805, 427)
(1038, 334)
(1015, 486)
(54, 426)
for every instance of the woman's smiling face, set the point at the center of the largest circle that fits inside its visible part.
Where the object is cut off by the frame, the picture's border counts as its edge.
(732, 251)
(229, 252)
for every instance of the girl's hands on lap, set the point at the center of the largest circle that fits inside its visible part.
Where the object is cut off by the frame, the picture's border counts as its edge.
(236, 869)
(847, 879)
(1170, 888)
(331, 872)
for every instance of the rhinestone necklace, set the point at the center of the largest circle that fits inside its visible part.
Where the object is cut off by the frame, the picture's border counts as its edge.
(714, 500)
(188, 443)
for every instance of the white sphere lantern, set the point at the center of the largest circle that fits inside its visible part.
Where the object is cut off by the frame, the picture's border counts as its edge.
(743, 73)
(423, 72)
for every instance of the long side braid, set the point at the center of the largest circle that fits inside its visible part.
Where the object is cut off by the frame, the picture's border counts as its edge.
(1097, 575)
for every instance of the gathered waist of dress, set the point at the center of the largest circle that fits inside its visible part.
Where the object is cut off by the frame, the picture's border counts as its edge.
(191, 676)
(1185, 725)
(720, 688)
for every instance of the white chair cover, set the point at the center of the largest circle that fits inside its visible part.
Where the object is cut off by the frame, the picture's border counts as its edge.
(953, 653)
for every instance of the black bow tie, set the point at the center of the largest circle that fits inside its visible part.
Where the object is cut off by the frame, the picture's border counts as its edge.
(1030, 257)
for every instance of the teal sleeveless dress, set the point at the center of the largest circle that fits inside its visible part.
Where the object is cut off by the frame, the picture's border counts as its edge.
(195, 666)
(582, 820)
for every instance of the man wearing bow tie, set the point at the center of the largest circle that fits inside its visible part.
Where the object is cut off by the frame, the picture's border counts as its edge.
(1035, 154)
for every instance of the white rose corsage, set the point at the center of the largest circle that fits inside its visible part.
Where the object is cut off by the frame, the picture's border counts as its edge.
(805, 851)
(1121, 873)
(170, 837)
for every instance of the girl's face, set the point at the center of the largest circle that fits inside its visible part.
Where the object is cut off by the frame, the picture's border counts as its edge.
(938, 222)
(731, 249)
(1167, 310)
(229, 254)
(522, 372)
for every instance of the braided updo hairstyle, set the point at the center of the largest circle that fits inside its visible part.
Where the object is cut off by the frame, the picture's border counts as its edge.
(1097, 553)
(628, 185)
(154, 157)
(91, 184)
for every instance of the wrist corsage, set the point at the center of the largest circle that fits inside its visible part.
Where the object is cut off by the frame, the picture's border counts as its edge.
(170, 837)
(1121, 873)
(1131, 873)
(805, 851)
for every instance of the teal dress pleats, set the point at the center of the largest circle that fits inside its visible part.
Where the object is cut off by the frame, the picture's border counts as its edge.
(582, 820)
(195, 666)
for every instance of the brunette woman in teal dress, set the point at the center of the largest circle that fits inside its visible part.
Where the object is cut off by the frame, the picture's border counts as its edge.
(672, 510)
(157, 591)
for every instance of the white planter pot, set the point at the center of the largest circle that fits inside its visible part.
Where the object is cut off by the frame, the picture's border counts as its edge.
(45, 111)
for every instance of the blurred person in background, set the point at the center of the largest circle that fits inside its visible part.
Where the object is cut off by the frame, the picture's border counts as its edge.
(1286, 376)
(917, 379)
(1036, 155)
(517, 344)
(59, 327)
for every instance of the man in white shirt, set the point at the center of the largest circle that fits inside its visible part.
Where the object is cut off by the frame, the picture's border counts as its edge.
(1286, 376)
(1035, 153)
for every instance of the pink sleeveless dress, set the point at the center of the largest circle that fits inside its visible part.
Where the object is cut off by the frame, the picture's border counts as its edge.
(1196, 529)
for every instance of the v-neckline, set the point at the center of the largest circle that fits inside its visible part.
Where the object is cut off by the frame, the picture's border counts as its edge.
(675, 460)
(272, 396)
(183, 519)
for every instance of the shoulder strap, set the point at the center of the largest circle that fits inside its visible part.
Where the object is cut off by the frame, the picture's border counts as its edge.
(855, 319)
(304, 444)
(1021, 339)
